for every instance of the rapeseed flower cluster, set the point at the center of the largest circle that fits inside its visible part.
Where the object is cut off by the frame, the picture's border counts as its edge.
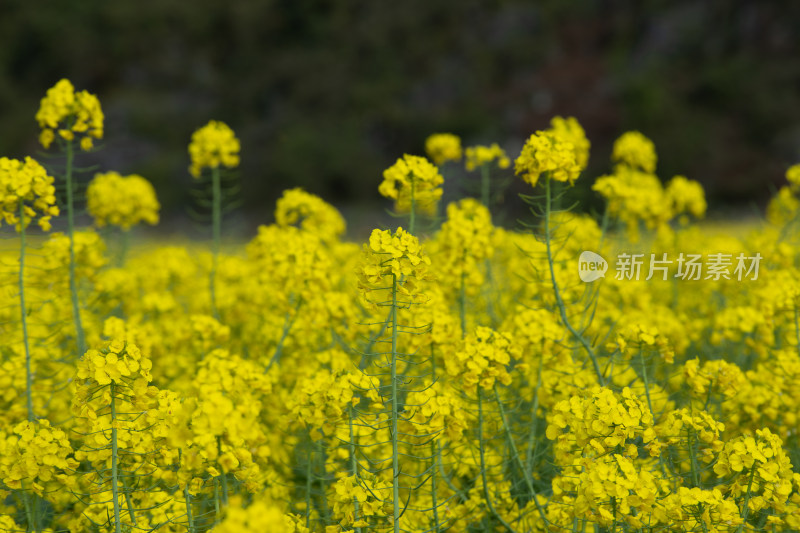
(560, 153)
(635, 151)
(635, 194)
(26, 191)
(483, 359)
(37, 455)
(212, 146)
(67, 112)
(480, 155)
(122, 201)
(443, 147)
(393, 257)
(412, 182)
(461, 380)
(311, 213)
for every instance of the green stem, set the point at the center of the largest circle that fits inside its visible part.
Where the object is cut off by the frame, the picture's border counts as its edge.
(309, 474)
(216, 501)
(124, 245)
(485, 184)
(353, 464)
(128, 500)
(693, 459)
(412, 214)
(24, 313)
(746, 510)
(797, 326)
(189, 516)
(114, 461)
(216, 229)
(646, 383)
(462, 299)
(532, 441)
(324, 510)
(525, 473)
(559, 301)
(224, 487)
(491, 294)
(73, 284)
(394, 413)
(29, 514)
(482, 454)
(288, 322)
(434, 488)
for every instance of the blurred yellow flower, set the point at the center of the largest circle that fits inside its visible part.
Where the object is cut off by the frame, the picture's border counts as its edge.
(70, 113)
(213, 145)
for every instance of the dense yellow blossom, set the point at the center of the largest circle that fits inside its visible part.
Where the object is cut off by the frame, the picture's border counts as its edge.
(371, 495)
(443, 147)
(412, 182)
(548, 153)
(33, 454)
(783, 207)
(89, 251)
(686, 196)
(480, 155)
(212, 146)
(257, 517)
(438, 377)
(69, 113)
(26, 186)
(482, 359)
(601, 421)
(392, 258)
(635, 151)
(121, 201)
(309, 212)
(570, 130)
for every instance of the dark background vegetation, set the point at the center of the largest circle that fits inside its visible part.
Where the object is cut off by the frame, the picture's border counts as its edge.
(325, 94)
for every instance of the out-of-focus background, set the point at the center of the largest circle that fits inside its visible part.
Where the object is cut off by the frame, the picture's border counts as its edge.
(325, 94)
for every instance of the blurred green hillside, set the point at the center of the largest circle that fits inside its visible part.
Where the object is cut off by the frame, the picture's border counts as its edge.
(326, 94)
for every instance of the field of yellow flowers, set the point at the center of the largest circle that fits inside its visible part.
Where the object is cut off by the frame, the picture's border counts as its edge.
(633, 373)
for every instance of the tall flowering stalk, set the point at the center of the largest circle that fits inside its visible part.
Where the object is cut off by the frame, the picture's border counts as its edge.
(27, 192)
(414, 183)
(394, 265)
(69, 116)
(466, 247)
(212, 146)
(481, 157)
(113, 407)
(557, 154)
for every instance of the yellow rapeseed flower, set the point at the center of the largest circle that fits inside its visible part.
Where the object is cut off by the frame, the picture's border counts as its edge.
(571, 130)
(546, 152)
(636, 151)
(311, 213)
(213, 145)
(412, 179)
(69, 113)
(443, 147)
(122, 201)
(27, 183)
(480, 155)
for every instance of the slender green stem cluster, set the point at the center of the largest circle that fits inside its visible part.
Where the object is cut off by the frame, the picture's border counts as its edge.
(562, 308)
(73, 282)
(24, 315)
(216, 229)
